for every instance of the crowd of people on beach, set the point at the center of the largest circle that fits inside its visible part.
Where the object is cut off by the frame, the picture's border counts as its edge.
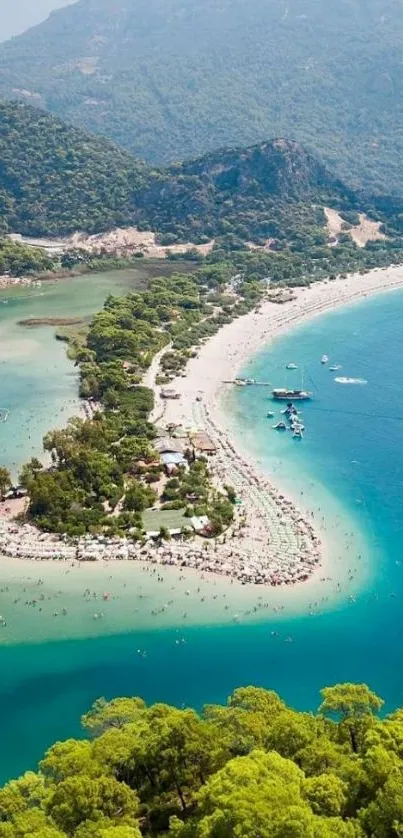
(271, 542)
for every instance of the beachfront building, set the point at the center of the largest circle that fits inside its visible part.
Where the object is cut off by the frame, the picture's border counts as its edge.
(172, 461)
(169, 444)
(203, 445)
(16, 492)
(171, 453)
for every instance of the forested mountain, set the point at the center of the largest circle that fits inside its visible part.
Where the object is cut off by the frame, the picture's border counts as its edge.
(170, 80)
(55, 179)
(274, 190)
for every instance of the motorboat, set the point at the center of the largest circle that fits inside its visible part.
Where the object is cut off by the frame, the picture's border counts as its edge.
(291, 367)
(290, 410)
(324, 359)
(343, 380)
(335, 367)
(270, 414)
(280, 426)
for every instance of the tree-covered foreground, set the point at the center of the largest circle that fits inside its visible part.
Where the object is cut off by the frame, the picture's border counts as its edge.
(253, 768)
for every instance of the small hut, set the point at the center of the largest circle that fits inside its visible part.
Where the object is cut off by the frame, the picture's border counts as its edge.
(203, 445)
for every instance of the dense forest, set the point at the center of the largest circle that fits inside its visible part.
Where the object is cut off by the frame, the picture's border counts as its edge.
(253, 768)
(56, 179)
(19, 260)
(179, 79)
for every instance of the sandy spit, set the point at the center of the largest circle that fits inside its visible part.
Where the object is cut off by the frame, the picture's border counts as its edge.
(217, 599)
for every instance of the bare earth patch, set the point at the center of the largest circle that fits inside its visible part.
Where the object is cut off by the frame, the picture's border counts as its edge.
(86, 66)
(361, 233)
(119, 242)
(268, 245)
(125, 241)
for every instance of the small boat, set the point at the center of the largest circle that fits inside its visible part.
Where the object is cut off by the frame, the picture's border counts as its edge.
(270, 414)
(324, 359)
(281, 426)
(291, 367)
(290, 410)
(343, 380)
(244, 382)
(335, 367)
(297, 433)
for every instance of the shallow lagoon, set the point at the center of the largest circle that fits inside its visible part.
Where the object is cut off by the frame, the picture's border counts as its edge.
(38, 384)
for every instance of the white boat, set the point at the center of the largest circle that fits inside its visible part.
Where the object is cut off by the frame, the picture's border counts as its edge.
(343, 380)
(296, 426)
(281, 426)
(335, 367)
(291, 367)
(324, 359)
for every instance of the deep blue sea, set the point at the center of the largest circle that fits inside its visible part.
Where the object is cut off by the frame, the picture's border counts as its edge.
(353, 447)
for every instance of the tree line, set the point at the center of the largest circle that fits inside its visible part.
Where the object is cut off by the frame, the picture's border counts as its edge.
(252, 768)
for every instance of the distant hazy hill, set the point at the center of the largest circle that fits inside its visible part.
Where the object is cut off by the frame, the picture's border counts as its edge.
(55, 179)
(170, 79)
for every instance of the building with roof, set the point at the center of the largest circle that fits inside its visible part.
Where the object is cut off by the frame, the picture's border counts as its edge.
(169, 445)
(172, 461)
(200, 523)
(203, 444)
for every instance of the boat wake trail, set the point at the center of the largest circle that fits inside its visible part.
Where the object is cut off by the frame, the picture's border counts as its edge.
(343, 380)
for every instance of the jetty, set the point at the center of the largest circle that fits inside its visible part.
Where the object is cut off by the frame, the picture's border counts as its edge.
(247, 382)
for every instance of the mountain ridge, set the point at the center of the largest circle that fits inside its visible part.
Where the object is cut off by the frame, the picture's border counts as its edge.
(179, 80)
(56, 179)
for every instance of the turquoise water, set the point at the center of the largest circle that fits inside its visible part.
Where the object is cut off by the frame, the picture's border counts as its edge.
(353, 448)
(38, 385)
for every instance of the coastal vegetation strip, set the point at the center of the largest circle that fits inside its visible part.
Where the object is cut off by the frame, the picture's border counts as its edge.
(107, 470)
(252, 767)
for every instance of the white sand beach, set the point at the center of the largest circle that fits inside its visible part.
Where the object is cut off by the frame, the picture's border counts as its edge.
(200, 405)
(280, 558)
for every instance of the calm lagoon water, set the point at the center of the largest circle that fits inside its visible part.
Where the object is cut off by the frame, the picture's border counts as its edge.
(352, 448)
(38, 385)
